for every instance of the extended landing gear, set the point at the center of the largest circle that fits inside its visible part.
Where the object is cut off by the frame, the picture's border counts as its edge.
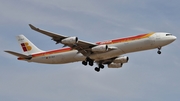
(91, 62)
(159, 50)
(97, 69)
(84, 63)
(88, 60)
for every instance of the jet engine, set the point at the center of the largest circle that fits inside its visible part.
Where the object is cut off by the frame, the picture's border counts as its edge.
(70, 40)
(115, 65)
(100, 48)
(122, 59)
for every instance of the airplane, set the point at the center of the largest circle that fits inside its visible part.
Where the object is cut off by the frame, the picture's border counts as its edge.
(103, 53)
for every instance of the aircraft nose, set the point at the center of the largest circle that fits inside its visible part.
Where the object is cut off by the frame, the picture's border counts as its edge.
(173, 38)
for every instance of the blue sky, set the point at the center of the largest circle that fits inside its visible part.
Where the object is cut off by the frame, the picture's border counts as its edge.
(148, 76)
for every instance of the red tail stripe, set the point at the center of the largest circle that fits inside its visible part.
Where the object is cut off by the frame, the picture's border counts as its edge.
(23, 47)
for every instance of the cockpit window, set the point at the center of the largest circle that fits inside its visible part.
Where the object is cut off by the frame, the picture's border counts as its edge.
(168, 34)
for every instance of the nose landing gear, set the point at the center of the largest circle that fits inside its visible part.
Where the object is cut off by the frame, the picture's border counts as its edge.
(159, 50)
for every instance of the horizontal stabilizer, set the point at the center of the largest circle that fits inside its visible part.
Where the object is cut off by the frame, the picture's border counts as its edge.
(19, 55)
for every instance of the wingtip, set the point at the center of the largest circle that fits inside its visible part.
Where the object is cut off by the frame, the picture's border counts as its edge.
(31, 26)
(6, 51)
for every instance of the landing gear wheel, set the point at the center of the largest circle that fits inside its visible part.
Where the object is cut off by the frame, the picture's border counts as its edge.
(159, 52)
(101, 66)
(91, 63)
(84, 63)
(97, 69)
(88, 59)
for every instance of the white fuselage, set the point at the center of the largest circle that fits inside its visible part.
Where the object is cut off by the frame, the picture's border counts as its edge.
(156, 40)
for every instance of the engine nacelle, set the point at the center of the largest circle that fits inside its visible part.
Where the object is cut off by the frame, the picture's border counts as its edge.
(115, 65)
(100, 48)
(122, 59)
(70, 41)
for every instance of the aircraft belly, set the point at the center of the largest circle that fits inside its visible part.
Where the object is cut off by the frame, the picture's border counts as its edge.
(66, 57)
(106, 55)
(60, 58)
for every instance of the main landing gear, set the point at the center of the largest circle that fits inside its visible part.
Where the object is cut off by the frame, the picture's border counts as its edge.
(97, 69)
(91, 63)
(88, 60)
(159, 50)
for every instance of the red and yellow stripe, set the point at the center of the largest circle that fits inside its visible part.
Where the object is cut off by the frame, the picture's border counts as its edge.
(132, 38)
(52, 52)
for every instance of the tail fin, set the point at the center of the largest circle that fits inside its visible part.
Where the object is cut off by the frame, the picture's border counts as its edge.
(27, 46)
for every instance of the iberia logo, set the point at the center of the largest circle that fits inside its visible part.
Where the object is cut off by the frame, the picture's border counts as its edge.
(25, 46)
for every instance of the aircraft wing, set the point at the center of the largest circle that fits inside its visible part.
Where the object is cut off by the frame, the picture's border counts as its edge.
(50, 34)
(82, 46)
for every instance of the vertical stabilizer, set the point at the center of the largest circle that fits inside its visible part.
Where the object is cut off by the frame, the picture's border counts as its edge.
(27, 46)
